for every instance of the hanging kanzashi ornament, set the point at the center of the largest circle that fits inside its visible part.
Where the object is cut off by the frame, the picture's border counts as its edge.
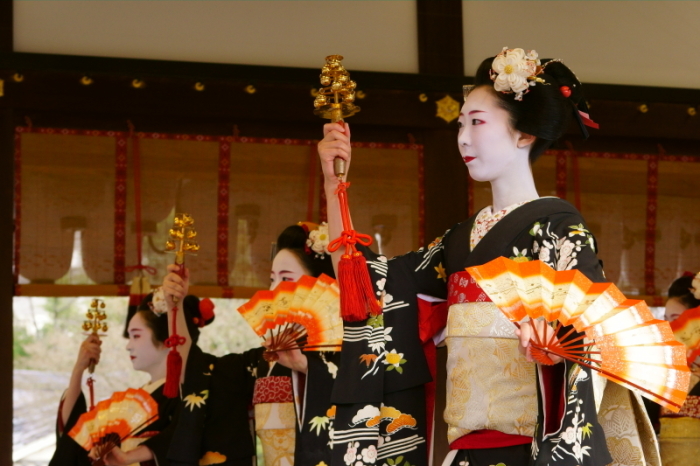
(94, 324)
(335, 102)
(181, 241)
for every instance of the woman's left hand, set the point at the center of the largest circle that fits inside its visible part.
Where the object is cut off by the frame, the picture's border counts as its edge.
(292, 359)
(116, 457)
(525, 333)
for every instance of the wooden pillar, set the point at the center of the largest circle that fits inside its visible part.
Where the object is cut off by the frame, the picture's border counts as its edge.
(6, 240)
(6, 281)
(6, 29)
(441, 52)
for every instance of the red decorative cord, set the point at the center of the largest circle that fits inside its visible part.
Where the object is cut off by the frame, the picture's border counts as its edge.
(174, 364)
(357, 300)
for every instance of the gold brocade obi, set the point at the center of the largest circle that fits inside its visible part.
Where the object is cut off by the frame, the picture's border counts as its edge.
(490, 385)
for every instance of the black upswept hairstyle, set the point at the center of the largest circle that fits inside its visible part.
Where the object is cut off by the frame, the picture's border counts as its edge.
(543, 112)
(293, 238)
(159, 324)
(680, 289)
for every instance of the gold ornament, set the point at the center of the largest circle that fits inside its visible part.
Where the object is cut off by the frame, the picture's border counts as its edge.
(199, 86)
(447, 108)
(335, 100)
(643, 108)
(137, 84)
(95, 316)
(86, 80)
(250, 89)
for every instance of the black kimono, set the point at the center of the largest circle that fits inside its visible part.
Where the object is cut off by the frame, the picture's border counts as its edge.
(158, 435)
(383, 358)
(225, 385)
(315, 412)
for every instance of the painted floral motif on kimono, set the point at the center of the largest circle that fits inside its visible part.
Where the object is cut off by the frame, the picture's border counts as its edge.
(193, 400)
(561, 253)
(571, 439)
(393, 360)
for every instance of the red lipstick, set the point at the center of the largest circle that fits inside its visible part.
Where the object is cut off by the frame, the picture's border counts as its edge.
(467, 159)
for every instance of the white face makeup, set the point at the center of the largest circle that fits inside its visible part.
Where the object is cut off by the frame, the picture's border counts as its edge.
(286, 268)
(674, 309)
(145, 356)
(488, 144)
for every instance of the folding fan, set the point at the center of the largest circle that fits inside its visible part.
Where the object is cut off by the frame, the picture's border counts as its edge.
(114, 420)
(303, 314)
(635, 349)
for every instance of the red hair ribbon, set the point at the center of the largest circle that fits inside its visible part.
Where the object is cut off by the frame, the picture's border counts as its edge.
(587, 120)
(357, 300)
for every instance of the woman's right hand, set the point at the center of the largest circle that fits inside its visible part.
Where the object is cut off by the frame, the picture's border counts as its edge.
(174, 285)
(89, 352)
(335, 143)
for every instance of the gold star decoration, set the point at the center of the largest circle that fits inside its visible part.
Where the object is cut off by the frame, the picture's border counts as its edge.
(441, 272)
(447, 108)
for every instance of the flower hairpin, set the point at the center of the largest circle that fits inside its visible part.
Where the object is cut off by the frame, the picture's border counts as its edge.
(158, 304)
(514, 71)
(318, 240)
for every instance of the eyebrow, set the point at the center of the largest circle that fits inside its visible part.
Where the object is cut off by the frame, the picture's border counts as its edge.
(476, 111)
(286, 271)
(135, 329)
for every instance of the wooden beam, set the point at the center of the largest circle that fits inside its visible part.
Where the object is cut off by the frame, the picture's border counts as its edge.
(51, 290)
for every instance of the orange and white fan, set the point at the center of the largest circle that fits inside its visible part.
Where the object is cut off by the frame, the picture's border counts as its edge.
(114, 421)
(303, 314)
(633, 348)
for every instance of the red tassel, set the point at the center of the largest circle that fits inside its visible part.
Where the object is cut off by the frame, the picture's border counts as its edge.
(172, 378)
(364, 285)
(351, 306)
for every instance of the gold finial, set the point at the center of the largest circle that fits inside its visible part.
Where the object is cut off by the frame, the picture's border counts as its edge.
(334, 100)
(95, 322)
(182, 238)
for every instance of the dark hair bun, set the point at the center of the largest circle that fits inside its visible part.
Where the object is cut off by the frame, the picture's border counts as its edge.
(293, 238)
(544, 111)
(680, 289)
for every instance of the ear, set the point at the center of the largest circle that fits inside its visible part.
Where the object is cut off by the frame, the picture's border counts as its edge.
(525, 140)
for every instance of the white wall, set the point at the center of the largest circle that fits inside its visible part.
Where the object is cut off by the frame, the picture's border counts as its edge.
(653, 43)
(372, 35)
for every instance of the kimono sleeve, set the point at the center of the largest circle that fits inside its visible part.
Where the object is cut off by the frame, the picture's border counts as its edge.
(68, 452)
(564, 242)
(227, 429)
